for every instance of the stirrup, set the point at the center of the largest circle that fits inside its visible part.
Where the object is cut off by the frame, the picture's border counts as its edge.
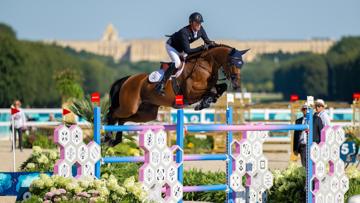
(160, 88)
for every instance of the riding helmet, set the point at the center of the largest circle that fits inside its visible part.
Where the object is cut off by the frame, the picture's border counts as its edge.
(197, 17)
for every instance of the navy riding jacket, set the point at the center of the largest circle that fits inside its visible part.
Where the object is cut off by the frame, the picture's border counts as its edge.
(182, 39)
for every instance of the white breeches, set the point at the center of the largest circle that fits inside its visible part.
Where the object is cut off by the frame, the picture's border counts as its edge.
(174, 55)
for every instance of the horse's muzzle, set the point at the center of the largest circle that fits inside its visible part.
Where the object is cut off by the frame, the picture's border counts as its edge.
(235, 82)
(235, 87)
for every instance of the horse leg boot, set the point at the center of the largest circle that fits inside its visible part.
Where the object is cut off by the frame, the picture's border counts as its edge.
(118, 137)
(212, 96)
(220, 89)
(109, 121)
(161, 85)
(208, 98)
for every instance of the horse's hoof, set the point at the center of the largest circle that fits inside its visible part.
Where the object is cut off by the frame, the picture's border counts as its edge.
(113, 143)
(198, 107)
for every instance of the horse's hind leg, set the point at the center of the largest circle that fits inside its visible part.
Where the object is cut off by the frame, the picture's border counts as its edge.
(118, 137)
(129, 98)
(108, 135)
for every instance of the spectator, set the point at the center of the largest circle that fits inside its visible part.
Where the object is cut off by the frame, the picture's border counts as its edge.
(19, 123)
(51, 117)
(300, 137)
(320, 110)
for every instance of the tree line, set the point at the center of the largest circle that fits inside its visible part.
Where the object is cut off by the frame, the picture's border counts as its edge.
(333, 76)
(29, 70)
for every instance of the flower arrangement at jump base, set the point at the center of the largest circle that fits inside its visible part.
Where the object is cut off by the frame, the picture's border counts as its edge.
(40, 160)
(107, 189)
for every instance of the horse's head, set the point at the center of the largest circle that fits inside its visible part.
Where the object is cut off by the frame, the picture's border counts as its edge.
(233, 66)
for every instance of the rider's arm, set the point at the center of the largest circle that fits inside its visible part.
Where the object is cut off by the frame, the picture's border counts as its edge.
(186, 45)
(204, 36)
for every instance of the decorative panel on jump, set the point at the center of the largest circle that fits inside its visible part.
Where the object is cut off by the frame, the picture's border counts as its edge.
(74, 152)
(250, 163)
(159, 174)
(329, 180)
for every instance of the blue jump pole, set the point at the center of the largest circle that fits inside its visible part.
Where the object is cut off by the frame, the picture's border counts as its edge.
(229, 119)
(205, 188)
(309, 163)
(97, 126)
(180, 143)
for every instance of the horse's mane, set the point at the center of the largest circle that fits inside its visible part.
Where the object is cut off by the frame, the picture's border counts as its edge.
(203, 52)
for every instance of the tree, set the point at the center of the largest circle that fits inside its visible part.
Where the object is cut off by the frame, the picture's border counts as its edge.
(306, 75)
(67, 85)
(344, 68)
(11, 72)
(7, 30)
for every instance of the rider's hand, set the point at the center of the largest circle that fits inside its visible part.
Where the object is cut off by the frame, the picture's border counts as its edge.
(205, 46)
(212, 43)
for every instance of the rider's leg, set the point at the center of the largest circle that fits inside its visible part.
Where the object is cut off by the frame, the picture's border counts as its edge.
(159, 87)
(174, 56)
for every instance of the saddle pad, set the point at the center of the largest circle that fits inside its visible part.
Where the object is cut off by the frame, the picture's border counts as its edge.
(156, 76)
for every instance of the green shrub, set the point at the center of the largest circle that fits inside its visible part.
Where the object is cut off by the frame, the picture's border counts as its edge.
(122, 149)
(353, 174)
(38, 139)
(198, 177)
(122, 170)
(197, 145)
(289, 185)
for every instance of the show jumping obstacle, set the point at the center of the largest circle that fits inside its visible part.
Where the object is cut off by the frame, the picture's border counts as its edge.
(162, 175)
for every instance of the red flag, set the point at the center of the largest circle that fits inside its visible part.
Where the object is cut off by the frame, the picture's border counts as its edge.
(14, 111)
(95, 97)
(294, 97)
(65, 111)
(179, 100)
(356, 95)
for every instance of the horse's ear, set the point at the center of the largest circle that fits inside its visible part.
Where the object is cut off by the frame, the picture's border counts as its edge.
(242, 52)
(232, 52)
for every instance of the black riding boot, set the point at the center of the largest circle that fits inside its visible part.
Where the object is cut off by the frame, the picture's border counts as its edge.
(161, 85)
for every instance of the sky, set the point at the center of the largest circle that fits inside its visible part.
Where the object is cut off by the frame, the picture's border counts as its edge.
(152, 19)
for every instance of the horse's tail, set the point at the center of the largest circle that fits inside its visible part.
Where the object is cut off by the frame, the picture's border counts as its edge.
(114, 98)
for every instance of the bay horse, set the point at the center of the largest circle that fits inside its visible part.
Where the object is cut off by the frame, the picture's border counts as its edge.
(133, 98)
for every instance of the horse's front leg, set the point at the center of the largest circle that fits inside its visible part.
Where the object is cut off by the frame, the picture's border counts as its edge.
(211, 96)
(220, 89)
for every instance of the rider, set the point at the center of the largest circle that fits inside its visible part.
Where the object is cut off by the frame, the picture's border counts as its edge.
(178, 45)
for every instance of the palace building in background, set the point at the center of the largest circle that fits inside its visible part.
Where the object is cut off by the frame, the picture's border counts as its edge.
(154, 50)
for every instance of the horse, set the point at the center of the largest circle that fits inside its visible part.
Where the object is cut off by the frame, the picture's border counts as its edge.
(133, 98)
